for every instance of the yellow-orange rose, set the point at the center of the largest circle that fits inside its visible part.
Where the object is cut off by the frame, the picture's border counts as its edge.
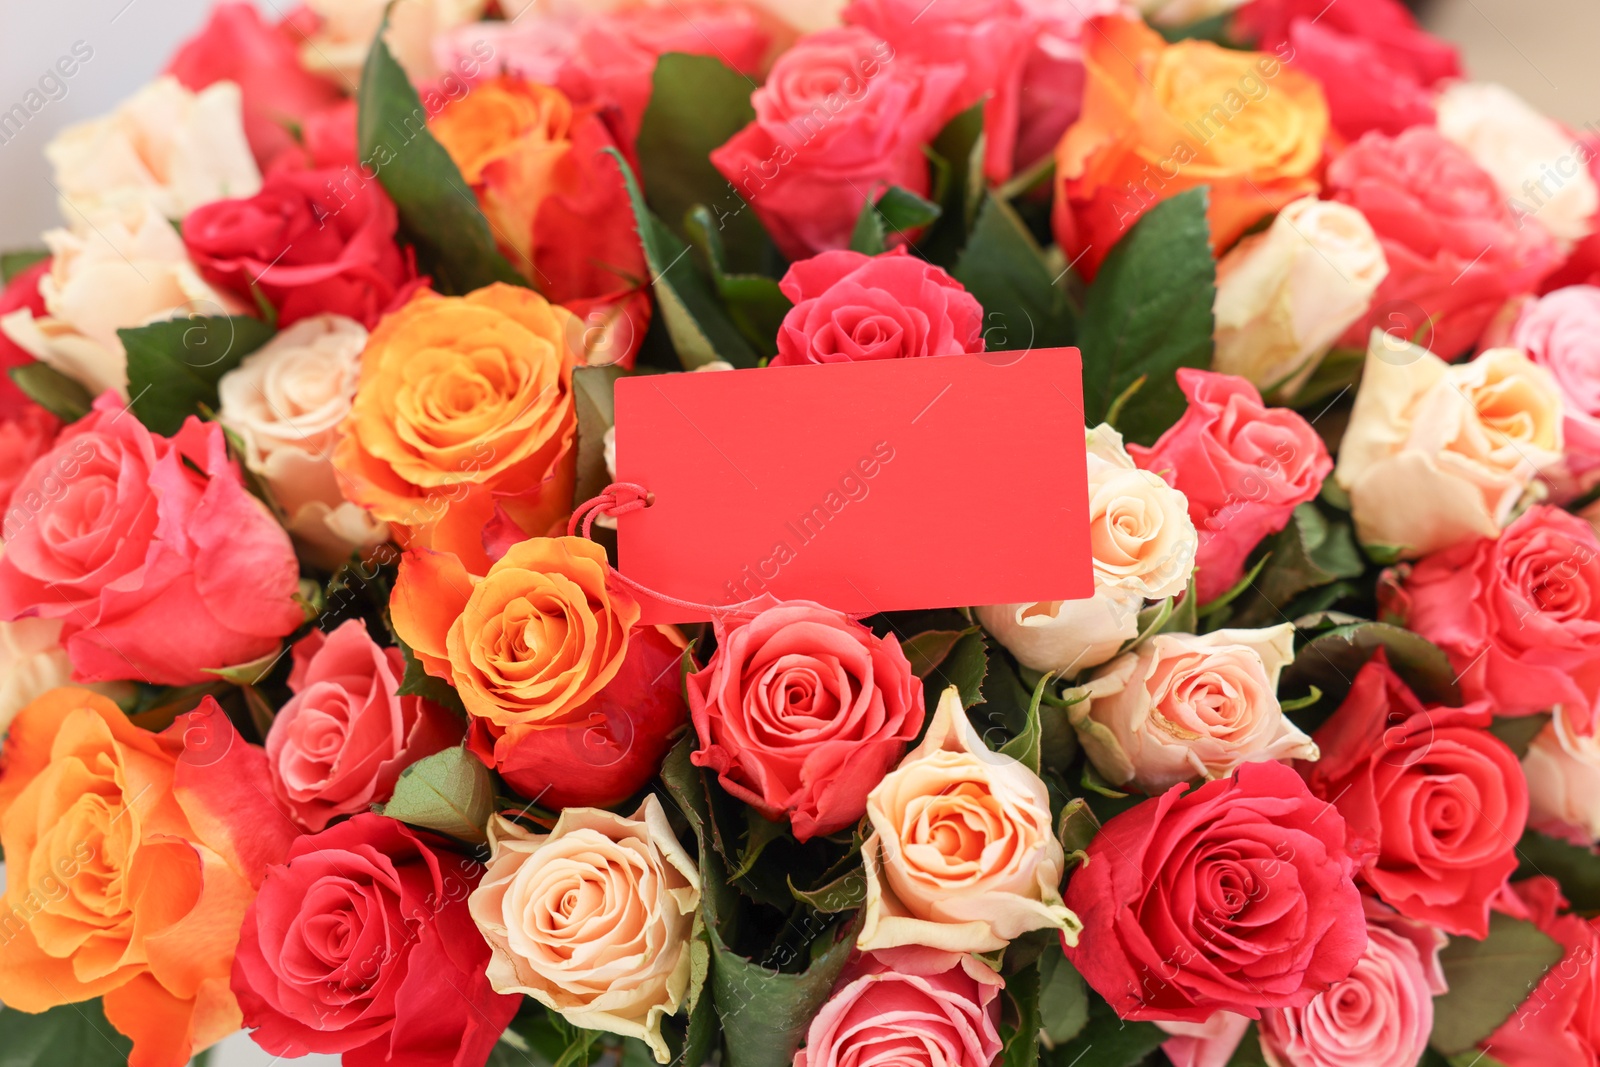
(131, 858)
(464, 418)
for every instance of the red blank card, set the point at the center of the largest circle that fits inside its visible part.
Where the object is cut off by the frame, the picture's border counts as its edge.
(880, 486)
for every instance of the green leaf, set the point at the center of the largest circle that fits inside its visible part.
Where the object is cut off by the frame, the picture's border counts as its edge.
(1107, 1041)
(1185, 617)
(1024, 747)
(965, 669)
(1211, 607)
(449, 791)
(438, 210)
(1249, 1053)
(753, 301)
(1077, 825)
(248, 674)
(1063, 996)
(1331, 660)
(929, 649)
(73, 1035)
(18, 260)
(174, 366)
(1149, 313)
(761, 833)
(1335, 377)
(1003, 266)
(1576, 868)
(417, 682)
(956, 155)
(1306, 701)
(1021, 1047)
(63, 397)
(1308, 553)
(1487, 980)
(870, 237)
(764, 1013)
(904, 210)
(845, 893)
(592, 393)
(1518, 732)
(697, 103)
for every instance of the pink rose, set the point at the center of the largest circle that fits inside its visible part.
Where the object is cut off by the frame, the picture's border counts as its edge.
(1456, 252)
(913, 1007)
(1380, 1016)
(341, 741)
(158, 562)
(801, 711)
(840, 119)
(1559, 1023)
(1403, 44)
(1244, 468)
(1519, 616)
(1561, 332)
(1208, 1044)
(24, 437)
(238, 45)
(849, 307)
(1053, 74)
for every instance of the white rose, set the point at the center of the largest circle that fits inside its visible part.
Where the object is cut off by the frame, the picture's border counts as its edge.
(1436, 454)
(1183, 12)
(32, 662)
(286, 401)
(340, 43)
(1563, 769)
(165, 146)
(1182, 707)
(110, 276)
(1541, 168)
(1143, 544)
(1284, 296)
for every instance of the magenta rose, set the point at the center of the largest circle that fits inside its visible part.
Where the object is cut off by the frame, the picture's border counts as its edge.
(1391, 28)
(911, 1007)
(149, 550)
(1434, 802)
(1380, 1016)
(360, 944)
(840, 119)
(801, 711)
(1456, 252)
(1243, 467)
(1561, 332)
(850, 307)
(1236, 896)
(1519, 616)
(311, 242)
(1559, 1023)
(339, 744)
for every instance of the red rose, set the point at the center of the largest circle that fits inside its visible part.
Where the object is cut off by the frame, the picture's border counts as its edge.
(340, 743)
(24, 437)
(311, 241)
(1519, 616)
(1435, 803)
(360, 943)
(1456, 252)
(850, 307)
(1559, 1023)
(801, 711)
(21, 294)
(1236, 896)
(1244, 468)
(840, 119)
(238, 45)
(1386, 23)
(149, 550)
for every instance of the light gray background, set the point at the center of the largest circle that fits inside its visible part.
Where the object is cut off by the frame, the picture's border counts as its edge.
(1542, 49)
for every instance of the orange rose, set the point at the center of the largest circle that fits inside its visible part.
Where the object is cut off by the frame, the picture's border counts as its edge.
(570, 700)
(1159, 119)
(463, 420)
(132, 857)
(557, 205)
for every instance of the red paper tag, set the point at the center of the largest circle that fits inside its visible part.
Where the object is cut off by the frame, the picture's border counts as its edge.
(878, 486)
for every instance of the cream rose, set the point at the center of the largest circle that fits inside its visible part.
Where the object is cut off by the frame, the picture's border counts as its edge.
(1284, 296)
(962, 856)
(32, 662)
(1541, 168)
(285, 401)
(340, 42)
(1563, 769)
(111, 276)
(1437, 454)
(593, 919)
(1143, 544)
(165, 146)
(1182, 707)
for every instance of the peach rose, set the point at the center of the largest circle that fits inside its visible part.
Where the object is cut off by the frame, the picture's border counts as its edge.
(286, 401)
(132, 859)
(1143, 543)
(1563, 771)
(339, 44)
(962, 856)
(464, 417)
(118, 274)
(1182, 707)
(593, 919)
(1436, 454)
(166, 146)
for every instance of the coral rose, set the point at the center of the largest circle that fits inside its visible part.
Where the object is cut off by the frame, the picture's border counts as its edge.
(24, 437)
(161, 567)
(1236, 896)
(593, 919)
(802, 711)
(338, 746)
(464, 416)
(911, 1006)
(132, 858)
(1434, 802)
(360, 943)
(1159, 119)
(962, 855)
(570, 700)
(1560, 1020)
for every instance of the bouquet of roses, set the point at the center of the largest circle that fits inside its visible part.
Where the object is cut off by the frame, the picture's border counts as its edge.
(327, 715)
